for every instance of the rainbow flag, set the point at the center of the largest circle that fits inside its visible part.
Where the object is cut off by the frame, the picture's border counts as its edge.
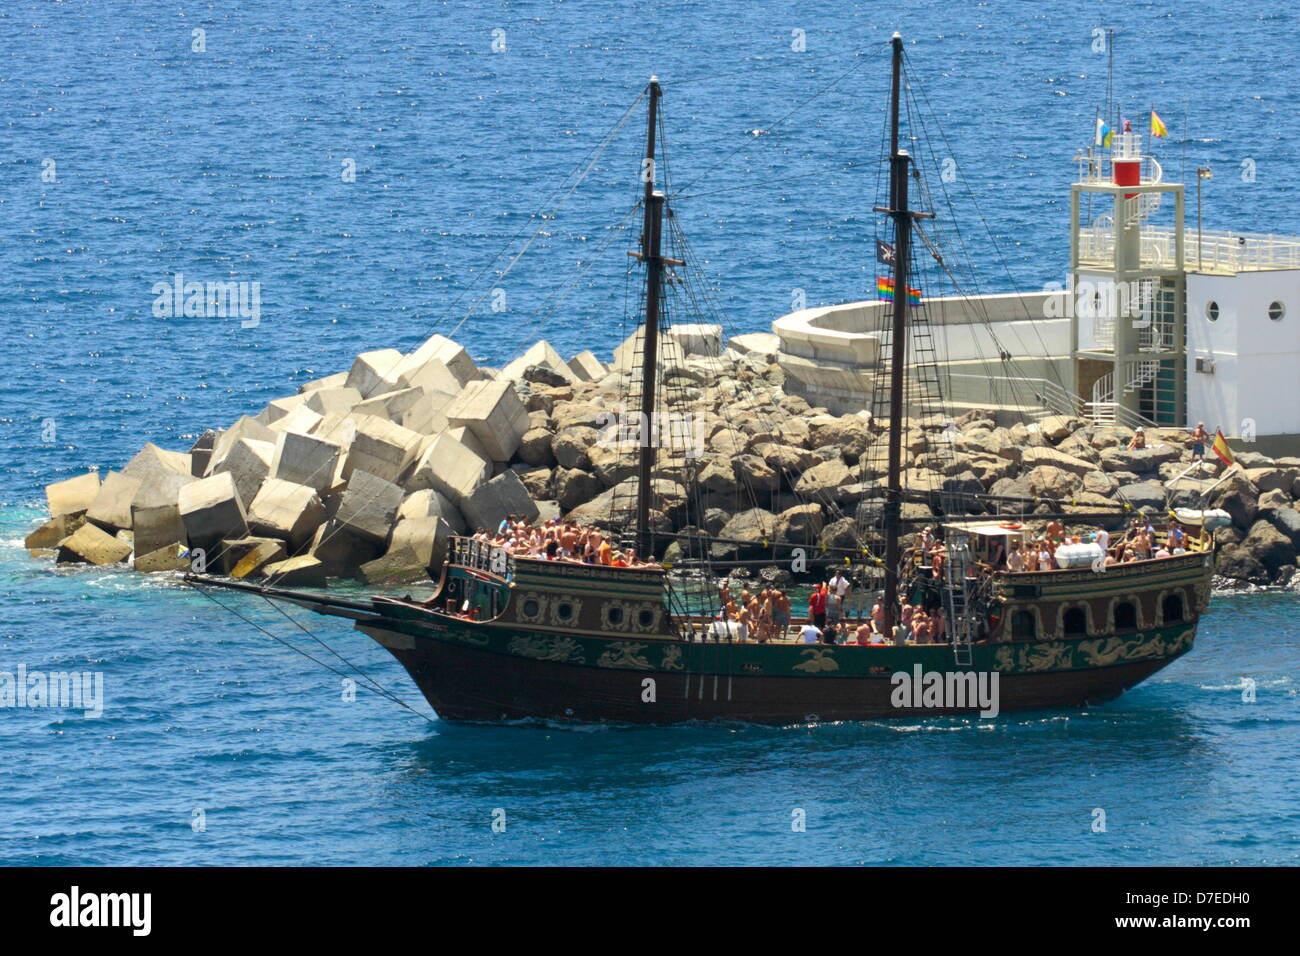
(1220, 448)
(885, 289)
(1157, 125)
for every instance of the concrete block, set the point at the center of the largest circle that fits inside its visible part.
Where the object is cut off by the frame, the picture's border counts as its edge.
(152, 461)
(382, 449)
(286, 511)
(301, 420)
(211, 510)
(393, 569)
(172, 557)
(249, 463)
(426, 538)
(306, 460)
(470, 441)
(332, 401)
(337, 380)
(92, 545)
(162, 488)
(302, 571)
(427, 414)
(415, 371)
(697, 339)
(111, 508)
(279, 408)
(504, 495)
(243, 557)
(341, 551)
(201, 452)
(374, 373)
(156, 527)
(72, 495)
(48, 535)
(369, 506)
(428, 503)
(587, 368)
(450, 469)
(540, 353)
(245, 427)
(451, 354)
(494, 413)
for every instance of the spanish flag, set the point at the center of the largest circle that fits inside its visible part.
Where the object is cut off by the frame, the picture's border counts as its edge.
(1157, 125)
(1220, 448)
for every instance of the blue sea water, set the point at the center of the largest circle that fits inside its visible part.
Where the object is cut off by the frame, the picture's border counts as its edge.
(227, 163)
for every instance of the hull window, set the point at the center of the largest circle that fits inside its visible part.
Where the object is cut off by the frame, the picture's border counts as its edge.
(1126, 616)
(1172, 608)
(1076, 622)
(1023, 626)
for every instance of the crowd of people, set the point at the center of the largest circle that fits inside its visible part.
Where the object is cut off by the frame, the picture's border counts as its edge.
(557, 540)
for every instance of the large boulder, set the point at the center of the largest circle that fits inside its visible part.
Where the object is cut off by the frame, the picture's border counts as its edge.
(449, 354)
(535, 447)
(1270, 547)
(1286, 520)
(427, 503)
(802, 523)
(1146, 496)
(246, 557)
(341, 551)
(1048, 481)
(538, 355)
(302, 571)
(1035, 456)
(1239, 497)
(573, 486)
(752, 528)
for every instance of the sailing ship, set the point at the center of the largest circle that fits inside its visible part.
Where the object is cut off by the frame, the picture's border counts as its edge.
(508, 636)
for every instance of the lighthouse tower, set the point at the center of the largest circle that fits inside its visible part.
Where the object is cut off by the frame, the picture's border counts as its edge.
(1128, 284)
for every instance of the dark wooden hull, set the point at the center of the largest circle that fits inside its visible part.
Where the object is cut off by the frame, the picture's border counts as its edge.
(462, 681)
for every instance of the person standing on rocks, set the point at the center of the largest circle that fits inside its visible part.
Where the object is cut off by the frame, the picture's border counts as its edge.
(1198, 437)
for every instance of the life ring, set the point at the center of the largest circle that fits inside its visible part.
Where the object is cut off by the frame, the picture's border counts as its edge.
(1010, 525)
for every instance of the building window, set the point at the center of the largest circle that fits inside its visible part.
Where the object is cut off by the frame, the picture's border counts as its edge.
(1076, 622)
(1212, 311)
(1276, 310)
(1126, 616)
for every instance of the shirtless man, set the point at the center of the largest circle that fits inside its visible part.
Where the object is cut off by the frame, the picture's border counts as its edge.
(1198, 437)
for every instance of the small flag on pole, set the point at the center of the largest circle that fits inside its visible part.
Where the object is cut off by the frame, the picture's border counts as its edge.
(1157, 125)
(1104, 133)
(1220, 448)
(884, 253)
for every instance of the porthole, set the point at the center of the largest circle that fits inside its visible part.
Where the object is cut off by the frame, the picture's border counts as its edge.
(646, 619)
(532, 608)
(614, 616)
(1276, 310)
(564, 610)
(1212, 311)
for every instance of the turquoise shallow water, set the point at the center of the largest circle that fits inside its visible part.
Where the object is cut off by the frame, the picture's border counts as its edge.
(226, 164)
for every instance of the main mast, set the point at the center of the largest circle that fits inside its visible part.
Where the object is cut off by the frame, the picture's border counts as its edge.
(899, 161)
(651, 238)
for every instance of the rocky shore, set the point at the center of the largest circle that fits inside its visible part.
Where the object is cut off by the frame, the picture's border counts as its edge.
(364, 474)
